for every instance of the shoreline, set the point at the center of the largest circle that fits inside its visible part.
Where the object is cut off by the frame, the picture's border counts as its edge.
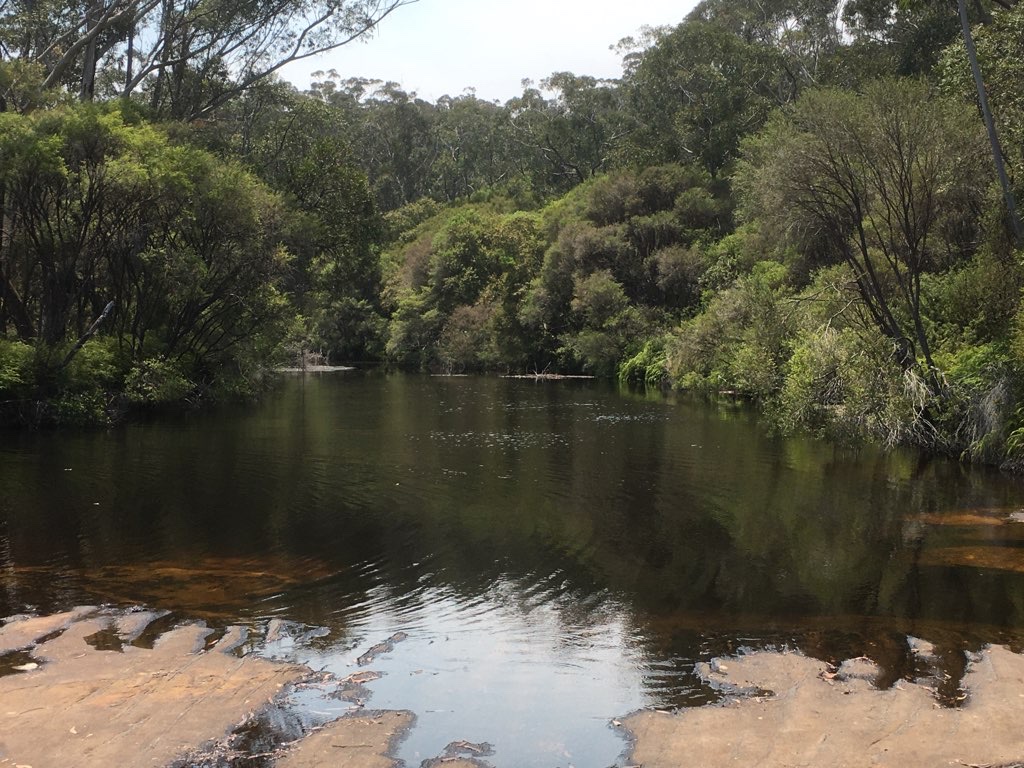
(189, 695)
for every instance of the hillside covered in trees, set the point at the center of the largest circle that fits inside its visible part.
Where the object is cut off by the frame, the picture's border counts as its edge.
(795, 201)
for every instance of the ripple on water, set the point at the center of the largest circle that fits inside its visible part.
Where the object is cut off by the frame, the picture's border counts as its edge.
(511, 440)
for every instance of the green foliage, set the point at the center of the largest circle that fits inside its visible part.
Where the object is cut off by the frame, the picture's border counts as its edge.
(414, 330)
(16, 361)
(646, 367)
(700, 90)
(88, 408)
(104, 209)
(156, 381)
(586, 225)
(575, 285)
(975, 303)
(94, 367)
(467, 341)
(845, 386)
(741, 339)
(1000, 47)
(888, 182)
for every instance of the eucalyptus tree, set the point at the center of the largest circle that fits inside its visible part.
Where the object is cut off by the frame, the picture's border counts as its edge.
(699, 90)
(999, 56)
(187, 56)
(568, 129)
(475, 148)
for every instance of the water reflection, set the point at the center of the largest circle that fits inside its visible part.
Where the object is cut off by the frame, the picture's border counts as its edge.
(559, 553)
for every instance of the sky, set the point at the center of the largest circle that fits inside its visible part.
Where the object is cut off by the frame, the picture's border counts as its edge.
(439, 47)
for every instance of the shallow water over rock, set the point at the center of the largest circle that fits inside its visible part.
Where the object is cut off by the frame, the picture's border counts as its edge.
(555, 554)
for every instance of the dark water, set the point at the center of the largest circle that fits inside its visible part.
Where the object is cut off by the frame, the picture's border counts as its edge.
(558, 553)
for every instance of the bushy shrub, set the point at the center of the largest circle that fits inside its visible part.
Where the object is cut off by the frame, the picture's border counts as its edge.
(847, 385)
(467, 341)
(978, 410)
(156, 381)
(16, 359)
(413, 333)
(88, 408)
(94, 367)
(647, 367)
(740, 341)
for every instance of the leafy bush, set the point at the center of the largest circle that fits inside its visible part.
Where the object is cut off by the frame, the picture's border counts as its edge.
(647, 367)
(740, 342)
(94, 367)
(16, 359)
(156, 381)
(467, 341)
(88, 408)
(847, 386)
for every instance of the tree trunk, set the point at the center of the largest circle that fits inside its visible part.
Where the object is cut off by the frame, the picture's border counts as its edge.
(129, 55)
(12, 308)
(165, 54)
(89, 56)
(993, 138)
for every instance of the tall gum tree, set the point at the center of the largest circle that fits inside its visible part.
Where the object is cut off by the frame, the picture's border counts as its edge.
(189, 56)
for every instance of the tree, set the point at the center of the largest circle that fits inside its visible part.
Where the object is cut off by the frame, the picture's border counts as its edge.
(1000, 53)
(300, 146)
(886, 182)
(189, 56)
(893, 38)
(699, 90)
(99, 211)
(572, 135)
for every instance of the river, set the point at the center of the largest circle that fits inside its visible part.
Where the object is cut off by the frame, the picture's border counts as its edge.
(556, 554)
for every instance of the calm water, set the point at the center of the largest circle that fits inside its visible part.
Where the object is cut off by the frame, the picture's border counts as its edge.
(558, 553)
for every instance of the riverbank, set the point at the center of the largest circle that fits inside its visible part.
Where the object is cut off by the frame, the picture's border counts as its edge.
(92, 687)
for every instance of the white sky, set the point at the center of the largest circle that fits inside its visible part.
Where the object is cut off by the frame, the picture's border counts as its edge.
(438, 47)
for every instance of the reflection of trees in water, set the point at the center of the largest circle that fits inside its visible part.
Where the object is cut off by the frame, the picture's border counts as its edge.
(689, 519)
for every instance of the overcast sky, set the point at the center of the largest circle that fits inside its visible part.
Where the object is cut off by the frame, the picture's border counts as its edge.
(438, 47)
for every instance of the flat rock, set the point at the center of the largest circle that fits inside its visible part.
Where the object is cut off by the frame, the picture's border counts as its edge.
(816, 718)
(23, 632)
(352, 742)
(87, 708)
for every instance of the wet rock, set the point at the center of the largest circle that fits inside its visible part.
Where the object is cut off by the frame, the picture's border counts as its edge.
(815, 718)
(361, 678)
(462, 747)
(353, 742)
(279, 630)
(87, 708)
(276, 630)
(921, 648)
(233, 638)
(23, 631)
(381, 648)
(208, 587)
(131, 625)
(989, 556)
(859, 669)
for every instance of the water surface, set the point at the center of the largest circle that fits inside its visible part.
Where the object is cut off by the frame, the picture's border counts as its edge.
(558, 553)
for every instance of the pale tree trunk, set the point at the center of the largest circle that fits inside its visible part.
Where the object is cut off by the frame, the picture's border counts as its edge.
(997, 151)
(92, 16)
(129, 55)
